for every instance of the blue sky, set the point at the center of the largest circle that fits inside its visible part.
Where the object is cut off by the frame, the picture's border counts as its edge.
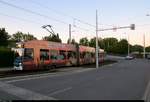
(110, 12)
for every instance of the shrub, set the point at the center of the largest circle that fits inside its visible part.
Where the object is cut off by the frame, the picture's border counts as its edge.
(6, 57)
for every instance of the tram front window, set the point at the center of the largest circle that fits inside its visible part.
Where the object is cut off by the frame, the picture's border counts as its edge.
(18, 55)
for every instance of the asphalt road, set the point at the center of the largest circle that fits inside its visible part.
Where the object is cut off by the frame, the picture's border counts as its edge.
(125, 80)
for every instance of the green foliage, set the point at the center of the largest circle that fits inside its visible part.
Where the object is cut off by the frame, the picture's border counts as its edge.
(84, 41)
(92, 42)
(53, 37)
(6, 57)
(4, 37)
(110, 45)
(72, 42)
(19, 36)
(147, 49)
(137, 48)
(123, 46)
(101, 43)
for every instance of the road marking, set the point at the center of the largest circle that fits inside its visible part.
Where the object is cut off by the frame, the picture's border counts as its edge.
(146, 96)
(23, 93)
(60, 91)
(30, 77)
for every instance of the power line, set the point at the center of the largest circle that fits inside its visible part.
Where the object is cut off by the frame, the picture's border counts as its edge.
(32, 12)
(60, 13)
(81, 28)
(30, 21)
(21, 19)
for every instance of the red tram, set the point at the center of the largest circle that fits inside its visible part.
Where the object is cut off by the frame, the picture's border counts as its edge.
(38, 54)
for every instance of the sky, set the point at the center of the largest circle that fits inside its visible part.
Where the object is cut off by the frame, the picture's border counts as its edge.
(29, 15)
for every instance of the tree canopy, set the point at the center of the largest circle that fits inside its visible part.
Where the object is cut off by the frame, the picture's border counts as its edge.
(84, 41)
(53, 37)
(4, 37)
(137, 48)
(19, 36)
(147, 49)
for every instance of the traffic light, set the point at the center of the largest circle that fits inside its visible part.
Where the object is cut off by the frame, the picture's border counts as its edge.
(132, 26)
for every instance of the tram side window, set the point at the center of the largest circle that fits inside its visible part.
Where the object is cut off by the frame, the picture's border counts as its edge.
(28, 53)
(93, 55)
(44, 54)
(71, 54)
(87, 55)
(54, 54)
(62, 55)
(82, 54)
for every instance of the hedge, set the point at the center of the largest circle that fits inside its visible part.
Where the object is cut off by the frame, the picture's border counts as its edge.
(6, 57)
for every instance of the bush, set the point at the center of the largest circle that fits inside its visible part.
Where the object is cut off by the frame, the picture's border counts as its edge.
(6, 57)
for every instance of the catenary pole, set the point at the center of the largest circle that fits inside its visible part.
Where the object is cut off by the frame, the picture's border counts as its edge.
(144, 46)
(97, 64)
(69, 33)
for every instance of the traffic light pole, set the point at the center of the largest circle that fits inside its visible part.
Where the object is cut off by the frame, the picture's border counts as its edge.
(132, 27)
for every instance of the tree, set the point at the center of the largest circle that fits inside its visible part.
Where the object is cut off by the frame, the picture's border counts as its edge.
(110, 45)
(101, 43)
(19, 36)
(123, 46)
(53, 37)
(73, 41)
(147, 49)
(84, 41)
(4, 37)
(92, 42)
(28, 37)
(137, 48)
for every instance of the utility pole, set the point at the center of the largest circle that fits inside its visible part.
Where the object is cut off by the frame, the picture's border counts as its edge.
(128, 45)
(69, 33)
(97, 41)
(144, 46)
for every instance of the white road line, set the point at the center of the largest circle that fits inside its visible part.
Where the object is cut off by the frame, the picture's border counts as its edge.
(146, 96)
(60, 91)
(26, 76)
(44, 76)
(23, 93)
